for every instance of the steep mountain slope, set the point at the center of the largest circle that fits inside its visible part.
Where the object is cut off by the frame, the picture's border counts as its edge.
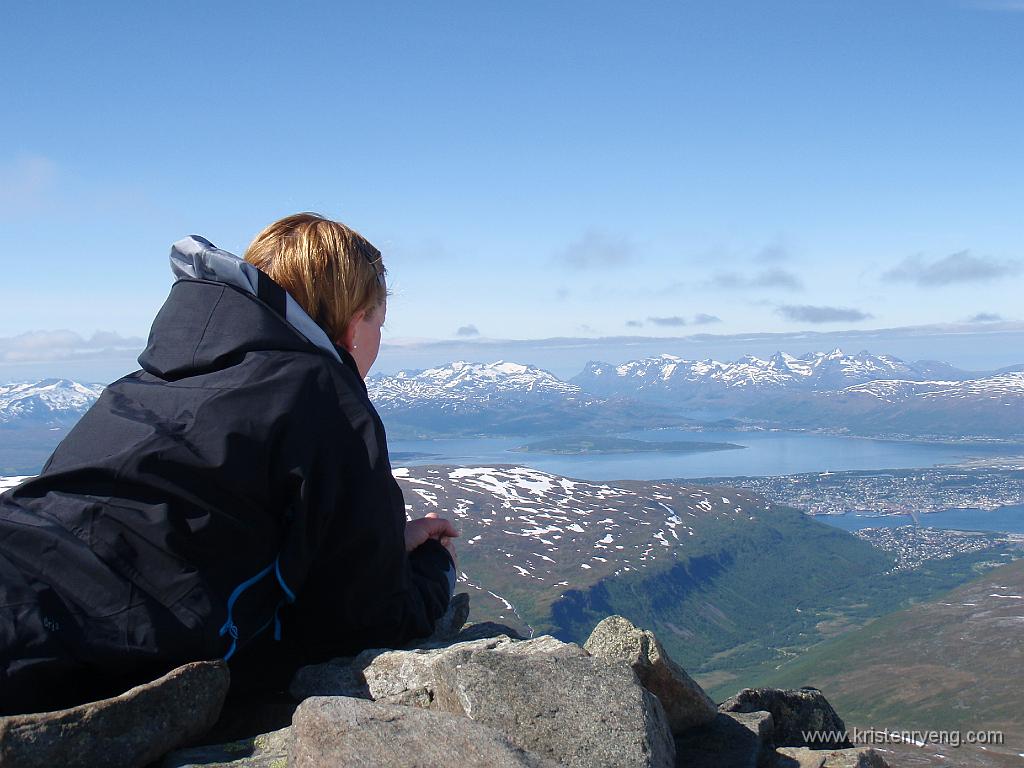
(459, 382)
(862, 393)
(730, 582)
(501, 398)
(56, 401)
(991, 406)
(671, 377)
(953, 663)
(35, 416)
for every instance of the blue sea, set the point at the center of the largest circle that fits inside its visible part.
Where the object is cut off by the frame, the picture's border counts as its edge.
(764, 454)
(1003, 520)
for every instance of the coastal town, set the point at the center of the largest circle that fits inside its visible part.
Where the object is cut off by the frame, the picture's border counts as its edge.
(915, 492)
(983, 485)
(912, 546)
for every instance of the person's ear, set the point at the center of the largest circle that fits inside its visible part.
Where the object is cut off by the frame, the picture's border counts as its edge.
(348, 338)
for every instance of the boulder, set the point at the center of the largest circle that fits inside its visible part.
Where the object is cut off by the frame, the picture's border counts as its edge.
(799, 757)
(336, 677)
(408, 676)
(576, 710)
(135, 728)
(267, 750)
(389, 673)
(545, 644)
(336, 731)
(796, 713)
(854, 757)
(736, 740)
(686, 705)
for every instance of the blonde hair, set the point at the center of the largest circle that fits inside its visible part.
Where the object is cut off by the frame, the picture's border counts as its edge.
(332, 271)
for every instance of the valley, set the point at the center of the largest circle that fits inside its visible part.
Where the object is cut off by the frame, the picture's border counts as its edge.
(955, 662)
(733, 584)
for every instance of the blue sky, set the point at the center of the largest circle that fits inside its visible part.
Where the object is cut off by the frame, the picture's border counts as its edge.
(530, 170)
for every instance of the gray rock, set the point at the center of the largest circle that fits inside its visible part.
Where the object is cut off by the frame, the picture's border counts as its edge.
(799, 757)
(336, 677)
(135, 728)
(389, 673)
(545, 644)
(407, 676)
(732, 740)
(338, 731)
(686, 705)
(268, 750)
(417, 697)
(854, 757)
(577, 710)
(795, 712)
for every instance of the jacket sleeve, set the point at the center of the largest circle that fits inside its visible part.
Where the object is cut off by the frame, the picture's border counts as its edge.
(355, 585)
(365, 591)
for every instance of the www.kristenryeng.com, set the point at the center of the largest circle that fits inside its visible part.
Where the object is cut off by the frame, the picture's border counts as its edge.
(921, 738)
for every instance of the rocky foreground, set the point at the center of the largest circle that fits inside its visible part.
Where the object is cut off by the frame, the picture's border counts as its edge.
(473, 695)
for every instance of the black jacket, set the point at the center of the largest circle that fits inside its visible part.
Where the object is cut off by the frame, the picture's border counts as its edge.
(232, 499)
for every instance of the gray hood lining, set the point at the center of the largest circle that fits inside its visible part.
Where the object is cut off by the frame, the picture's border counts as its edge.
(197, 258)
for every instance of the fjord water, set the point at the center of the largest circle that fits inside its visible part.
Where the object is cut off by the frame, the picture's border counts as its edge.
(764, 454)
(1003, 520)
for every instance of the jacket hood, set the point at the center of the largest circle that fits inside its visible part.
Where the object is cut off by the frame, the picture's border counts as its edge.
(220, 307)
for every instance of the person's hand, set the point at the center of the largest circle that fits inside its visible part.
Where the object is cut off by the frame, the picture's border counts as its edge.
(446, 542)
(430, 527)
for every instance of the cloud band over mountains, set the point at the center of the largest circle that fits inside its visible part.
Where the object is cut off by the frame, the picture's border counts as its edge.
(806, 313)
(959, 267)
(45, 346)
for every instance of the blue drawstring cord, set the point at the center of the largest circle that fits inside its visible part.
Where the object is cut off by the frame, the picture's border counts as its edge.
(288, 594)
(229, 626)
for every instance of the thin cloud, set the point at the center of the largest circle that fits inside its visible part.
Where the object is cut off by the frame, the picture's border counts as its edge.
(772, 253)
(676, 321)
(467, 331)
(597, 249)
(805, 313)
(671, 322)
(769, 278)
(702, 319)
(48, 346)
(959, 267)
(634, 324)
(985, 317)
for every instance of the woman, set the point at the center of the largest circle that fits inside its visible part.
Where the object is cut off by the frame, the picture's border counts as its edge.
(233, 499)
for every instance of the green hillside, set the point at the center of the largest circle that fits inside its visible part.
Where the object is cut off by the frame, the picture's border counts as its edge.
(748, 597)
(955, 662)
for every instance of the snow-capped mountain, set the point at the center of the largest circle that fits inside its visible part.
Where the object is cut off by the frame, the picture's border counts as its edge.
(464, 382)
(981, 407)
(46, 400)
(463, 398)
(668, 376)
(1007, 388)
